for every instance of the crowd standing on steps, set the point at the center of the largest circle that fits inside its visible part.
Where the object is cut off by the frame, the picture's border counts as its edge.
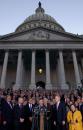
(41, 110)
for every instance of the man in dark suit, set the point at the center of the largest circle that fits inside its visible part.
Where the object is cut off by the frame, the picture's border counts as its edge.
(19, 115)
(28, 117)
(7, 114)
(59, 114)
(0, 113)
(81, 108)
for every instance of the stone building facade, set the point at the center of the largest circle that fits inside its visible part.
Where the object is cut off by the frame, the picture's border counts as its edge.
(41, 53)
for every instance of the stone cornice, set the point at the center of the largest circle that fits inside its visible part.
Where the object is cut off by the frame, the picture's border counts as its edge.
(39, 46)
(41, 41)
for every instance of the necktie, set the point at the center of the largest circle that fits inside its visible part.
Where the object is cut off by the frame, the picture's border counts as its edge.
(10, 104)
(21, 106)
(30, 107)
(57, 105)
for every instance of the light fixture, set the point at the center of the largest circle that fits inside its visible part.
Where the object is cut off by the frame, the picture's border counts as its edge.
(40, 70)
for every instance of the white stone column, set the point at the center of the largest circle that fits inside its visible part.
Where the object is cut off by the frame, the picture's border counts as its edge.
(58, 74)
(63, 84)
(82, 67)
(32, 85)
(80, 71)
(18, 72)
(48, 80)
(22, 74)
(77, 75)
(82, 62)
(4, 70)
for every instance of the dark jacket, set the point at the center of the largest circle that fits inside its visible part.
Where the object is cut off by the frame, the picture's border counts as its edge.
(28, 111)
(7, 115)
(19, 112)
(7, 112)
(81, 110)
(59, 114)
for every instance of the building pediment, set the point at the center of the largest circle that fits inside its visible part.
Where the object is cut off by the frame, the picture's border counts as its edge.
(40, 34)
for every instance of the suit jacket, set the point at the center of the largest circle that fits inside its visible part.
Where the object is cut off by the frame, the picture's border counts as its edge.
(18, 113)
(0, 112)
(7, 112)
(28, 110)
(81, 110)
(59, 114)
(28, 114)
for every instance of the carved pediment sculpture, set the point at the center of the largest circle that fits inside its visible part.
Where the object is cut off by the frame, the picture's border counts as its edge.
(39, 35)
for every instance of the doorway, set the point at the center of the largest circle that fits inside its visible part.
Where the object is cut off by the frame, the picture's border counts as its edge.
(40, 84)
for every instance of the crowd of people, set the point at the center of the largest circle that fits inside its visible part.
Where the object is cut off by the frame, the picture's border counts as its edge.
(41, 110)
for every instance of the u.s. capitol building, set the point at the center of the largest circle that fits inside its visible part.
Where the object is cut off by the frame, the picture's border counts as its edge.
(41, 53)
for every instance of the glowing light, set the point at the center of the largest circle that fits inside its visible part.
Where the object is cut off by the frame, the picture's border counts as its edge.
(40, 70)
